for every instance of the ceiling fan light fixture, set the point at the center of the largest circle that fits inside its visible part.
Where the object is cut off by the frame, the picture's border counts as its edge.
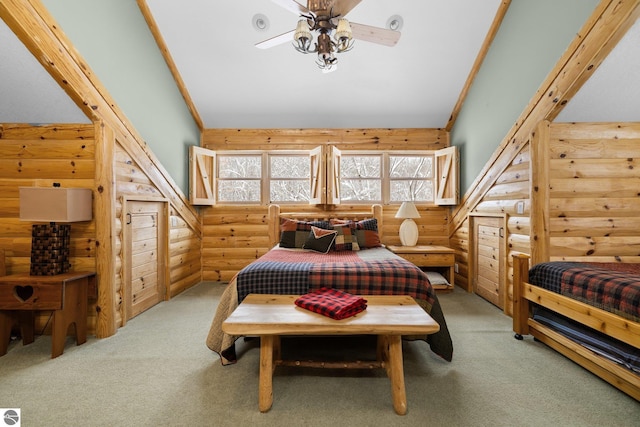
(302, 36)
(343, 36)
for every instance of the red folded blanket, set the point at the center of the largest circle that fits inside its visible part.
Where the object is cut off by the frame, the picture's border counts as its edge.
(332, 303)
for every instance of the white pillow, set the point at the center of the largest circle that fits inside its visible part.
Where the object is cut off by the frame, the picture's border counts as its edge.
(436, 278)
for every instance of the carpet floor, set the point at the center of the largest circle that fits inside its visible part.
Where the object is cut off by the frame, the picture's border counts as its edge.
(157, 371)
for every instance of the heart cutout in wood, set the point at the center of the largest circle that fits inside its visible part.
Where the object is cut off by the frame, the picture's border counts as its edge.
(23, 293)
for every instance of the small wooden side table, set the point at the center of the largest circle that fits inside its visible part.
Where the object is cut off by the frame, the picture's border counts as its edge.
(430, 256)
(21, 295)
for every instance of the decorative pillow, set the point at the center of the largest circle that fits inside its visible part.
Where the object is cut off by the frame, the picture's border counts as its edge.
(346, 239)
(320, 239)
(294, 233)
(366, 232)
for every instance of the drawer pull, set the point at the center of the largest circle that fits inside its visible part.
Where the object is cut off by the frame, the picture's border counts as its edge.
(23, 293)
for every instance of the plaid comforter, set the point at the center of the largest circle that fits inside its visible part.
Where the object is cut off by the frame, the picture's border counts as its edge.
(611, 287)
(375, 271)
(296, 273)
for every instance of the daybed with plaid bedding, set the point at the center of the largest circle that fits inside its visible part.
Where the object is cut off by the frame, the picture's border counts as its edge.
(373, 271)
(594, 305)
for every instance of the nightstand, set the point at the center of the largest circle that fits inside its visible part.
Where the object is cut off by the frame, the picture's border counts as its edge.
(437, 258)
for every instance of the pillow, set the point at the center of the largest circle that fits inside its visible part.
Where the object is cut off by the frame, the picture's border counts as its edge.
(294, 233)
(346, 239)
(366, 232)
(436, 278)
(320, 239)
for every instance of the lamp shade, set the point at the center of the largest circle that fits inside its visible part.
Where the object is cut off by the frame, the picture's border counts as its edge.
(55, 204)
(407, 210)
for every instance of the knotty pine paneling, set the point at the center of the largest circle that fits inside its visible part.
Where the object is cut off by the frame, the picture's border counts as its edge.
(511, 187)
(593, 192)
(65, 154)
(184, 245)
(39, 156)
(234, 236)
(593, 205)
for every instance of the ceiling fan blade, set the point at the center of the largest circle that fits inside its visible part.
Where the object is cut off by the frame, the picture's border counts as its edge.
(277, 40)
(342, 7)
(374, 34)
(292, 6)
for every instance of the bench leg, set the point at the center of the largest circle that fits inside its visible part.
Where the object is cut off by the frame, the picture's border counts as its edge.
(6, 321)
(74, 312)
(396, 374)
(265, 388)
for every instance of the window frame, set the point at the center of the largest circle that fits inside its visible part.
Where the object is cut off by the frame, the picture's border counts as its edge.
(385, 176)
(324, 171)
(265, 174)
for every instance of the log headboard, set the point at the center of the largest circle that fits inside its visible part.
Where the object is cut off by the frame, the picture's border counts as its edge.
(275, 214)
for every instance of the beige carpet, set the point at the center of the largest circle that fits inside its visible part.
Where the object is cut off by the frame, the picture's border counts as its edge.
(157, 371)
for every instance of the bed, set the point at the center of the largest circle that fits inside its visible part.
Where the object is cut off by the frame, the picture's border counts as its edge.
(589, 312)
(356, 262)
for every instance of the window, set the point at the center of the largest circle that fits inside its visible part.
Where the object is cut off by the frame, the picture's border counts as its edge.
(387, 177)
(289, 178)
(324, 175)
(239, 178)
(361, 178)
(411, 178)
(253, 177)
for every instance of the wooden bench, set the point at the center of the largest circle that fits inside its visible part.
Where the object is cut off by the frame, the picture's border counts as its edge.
(65, 294)
(388, 317)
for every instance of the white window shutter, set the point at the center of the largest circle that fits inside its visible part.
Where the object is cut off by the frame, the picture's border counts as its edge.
(447, 170)
(333, 172)
(202, 176)
(317, 196)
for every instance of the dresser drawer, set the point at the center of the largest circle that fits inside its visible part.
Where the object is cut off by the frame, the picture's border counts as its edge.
(22, 296)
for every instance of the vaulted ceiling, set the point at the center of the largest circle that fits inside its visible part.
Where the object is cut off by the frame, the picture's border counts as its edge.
(235, 85)
(413, 84)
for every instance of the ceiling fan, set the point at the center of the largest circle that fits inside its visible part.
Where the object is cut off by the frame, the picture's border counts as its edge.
(327, 18)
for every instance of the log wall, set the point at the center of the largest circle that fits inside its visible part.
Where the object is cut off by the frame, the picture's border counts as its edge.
(38, 156)
(579, 184)
(593, 201)
(512, 186)
(233, 236)
(504, 172)
(184, 269)
(65, 154)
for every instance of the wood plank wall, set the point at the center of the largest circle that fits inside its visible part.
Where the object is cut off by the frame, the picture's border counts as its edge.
(38, 156)
(65, 154)
(605, 27)
(591, 211)
(594, 192)
(510, 188)
(132, 182)
(233, 236)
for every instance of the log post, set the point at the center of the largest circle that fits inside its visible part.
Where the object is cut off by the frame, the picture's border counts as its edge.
(520, 304)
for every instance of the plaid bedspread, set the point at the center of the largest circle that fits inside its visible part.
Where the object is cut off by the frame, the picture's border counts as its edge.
(296, 273)
(611, 287)
(375, 271)
(285, 272)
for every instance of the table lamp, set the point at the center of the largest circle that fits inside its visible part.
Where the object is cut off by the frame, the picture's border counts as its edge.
(50, 242)
(408, 228)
